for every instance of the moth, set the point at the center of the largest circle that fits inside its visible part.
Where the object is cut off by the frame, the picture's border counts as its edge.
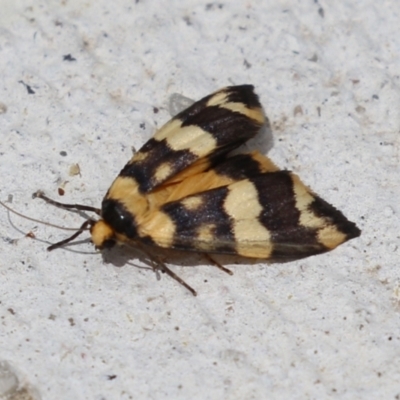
(182, 190)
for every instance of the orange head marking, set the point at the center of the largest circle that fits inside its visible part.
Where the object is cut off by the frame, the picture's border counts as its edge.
(103, 236)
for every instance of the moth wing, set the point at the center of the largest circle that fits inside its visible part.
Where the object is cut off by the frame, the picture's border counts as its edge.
(232, 169)
(209, 128)
(266, 215)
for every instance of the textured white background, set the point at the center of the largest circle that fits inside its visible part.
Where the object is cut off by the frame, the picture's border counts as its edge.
(328, 76)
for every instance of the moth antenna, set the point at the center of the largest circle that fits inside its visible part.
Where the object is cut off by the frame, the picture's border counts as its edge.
(36, 220)
(79, 207)
(83, 228)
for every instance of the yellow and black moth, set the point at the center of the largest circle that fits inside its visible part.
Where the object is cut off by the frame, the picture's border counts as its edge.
(183, 191)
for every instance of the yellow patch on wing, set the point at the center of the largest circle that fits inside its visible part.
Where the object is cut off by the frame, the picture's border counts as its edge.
(122, 187)
(165, 131)
(304, 199)
(242, 201)
(220, 99)
(206, 232)
(217, 99)
(125, 190)
(330, 237)
(159, 227)
(251, 237)
(255, 114)
(192, 203)
(205, 239)
(192, 138)
(163, 171)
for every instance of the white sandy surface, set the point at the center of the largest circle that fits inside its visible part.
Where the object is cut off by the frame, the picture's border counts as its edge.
(78, 87)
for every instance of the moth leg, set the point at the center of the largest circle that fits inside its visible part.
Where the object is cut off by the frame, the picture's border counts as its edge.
(217, 264)
(172, 274)
(157, 264)
(79, 207)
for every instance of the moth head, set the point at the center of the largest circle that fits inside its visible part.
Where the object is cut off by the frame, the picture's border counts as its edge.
(103, 236)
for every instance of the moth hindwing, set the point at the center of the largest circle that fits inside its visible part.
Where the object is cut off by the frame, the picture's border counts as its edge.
(183, 191)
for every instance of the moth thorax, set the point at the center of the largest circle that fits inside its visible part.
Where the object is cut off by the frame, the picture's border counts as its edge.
(103, 235)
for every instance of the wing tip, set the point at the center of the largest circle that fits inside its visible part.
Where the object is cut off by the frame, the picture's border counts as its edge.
(243, 94)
